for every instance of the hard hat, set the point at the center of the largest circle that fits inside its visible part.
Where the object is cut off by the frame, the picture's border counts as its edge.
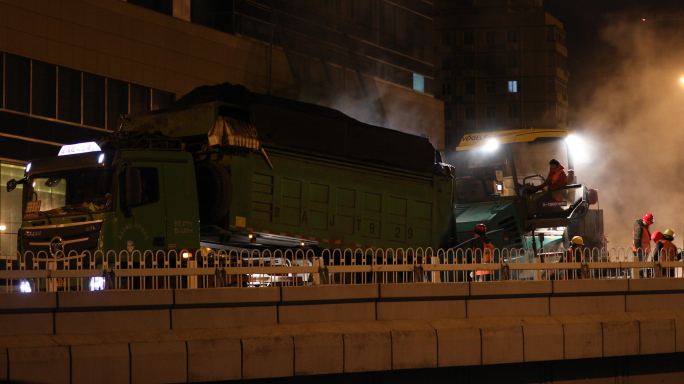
(481, 227)
(577, 240)
(657, 235)
(669, 232)
(648, 218)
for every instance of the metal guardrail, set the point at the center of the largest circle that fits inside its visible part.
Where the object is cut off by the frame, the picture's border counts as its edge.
(207, 269)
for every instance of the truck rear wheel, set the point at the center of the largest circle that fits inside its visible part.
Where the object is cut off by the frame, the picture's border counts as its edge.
(214, 191)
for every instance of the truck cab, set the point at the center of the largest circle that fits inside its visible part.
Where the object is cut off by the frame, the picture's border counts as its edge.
(90, 199)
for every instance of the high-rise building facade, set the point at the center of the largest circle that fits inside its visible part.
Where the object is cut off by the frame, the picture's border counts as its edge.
(70, 68)
(500, 64)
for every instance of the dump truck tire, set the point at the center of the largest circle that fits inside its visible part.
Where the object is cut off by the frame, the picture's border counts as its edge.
(214, 191)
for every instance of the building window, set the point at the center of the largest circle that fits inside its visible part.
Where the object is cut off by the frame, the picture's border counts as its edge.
(446, 63)
(161, 99)
(447, 114)
(468, 62)
(117, 102)
(512, 36)
(513, 86)
(490, 86)
(418, 82)
(161, 6)
(491, 112)
(446, 38)
(512, 60)
(17, 83)
(470, 112)
(43, 92)
(468, 37)
(93, 100)
(216, 14)
(513, 111)
(446, 89)
(141, 99)
(69, 95)
(470, 87)
(489, 37)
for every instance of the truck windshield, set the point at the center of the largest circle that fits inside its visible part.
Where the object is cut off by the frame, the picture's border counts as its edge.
(65, 193)
(478, 170)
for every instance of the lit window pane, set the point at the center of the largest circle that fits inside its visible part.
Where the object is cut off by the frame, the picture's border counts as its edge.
(513, 86)
(418, 82)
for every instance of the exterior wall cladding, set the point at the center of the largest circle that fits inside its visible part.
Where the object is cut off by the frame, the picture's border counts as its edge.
(503, 67)
(71, 67)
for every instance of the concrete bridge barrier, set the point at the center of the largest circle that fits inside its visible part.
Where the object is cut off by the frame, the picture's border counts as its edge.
(248, 333)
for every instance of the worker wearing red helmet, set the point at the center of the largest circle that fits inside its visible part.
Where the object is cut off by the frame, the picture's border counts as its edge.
(641, 244)
(483, 251)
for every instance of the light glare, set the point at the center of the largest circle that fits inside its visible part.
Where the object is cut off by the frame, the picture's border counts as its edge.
(491, 145)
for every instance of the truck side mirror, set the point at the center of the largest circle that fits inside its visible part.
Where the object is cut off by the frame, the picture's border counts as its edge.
(11, 185)
(133, 189)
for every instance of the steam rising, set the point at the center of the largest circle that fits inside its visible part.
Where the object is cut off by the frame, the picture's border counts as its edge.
(635, 118)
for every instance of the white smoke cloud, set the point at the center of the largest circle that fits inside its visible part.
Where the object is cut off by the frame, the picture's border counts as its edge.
(635, 119)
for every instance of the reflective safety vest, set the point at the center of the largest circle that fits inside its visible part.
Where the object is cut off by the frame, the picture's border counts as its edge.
(645, 239)
(669, 251)
(486, 258)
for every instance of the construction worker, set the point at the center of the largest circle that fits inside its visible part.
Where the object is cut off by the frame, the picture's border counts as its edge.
(655, 237)
(641, 244)
(555, 179)
(483, 251)
(665, 250)
(574, 254)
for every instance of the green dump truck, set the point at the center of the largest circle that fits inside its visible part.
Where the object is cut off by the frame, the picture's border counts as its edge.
(227, 168)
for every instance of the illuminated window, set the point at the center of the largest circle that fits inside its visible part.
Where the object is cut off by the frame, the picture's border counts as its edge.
(513, 86)
(418, 82)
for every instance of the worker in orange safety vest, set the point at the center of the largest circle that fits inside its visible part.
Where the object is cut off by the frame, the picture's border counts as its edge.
(641, 244)
(483, 250)
(666, 250)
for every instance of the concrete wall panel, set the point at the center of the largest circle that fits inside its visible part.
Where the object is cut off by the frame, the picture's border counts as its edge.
(511, 288)
(679, 335)
(575, 305)
(214, 360)
(162, 298)
(267, 357)
(26, 324)
(93, 363)
(4, 367)
(46, 301)
(521, 306)
(39, 365)
(159, 362)
(289, 314)
(590, 286)
(413, 349)
(620, 338)
(424, 290)
(226, 296)
(459, 347)
(319, 354)
(656, 336)
(421, 310)
(502, 345)
(368, 351)
(583, 340)
(543, 342)
(654, 302)
(360, 292)
(112, 321)
(223, 317)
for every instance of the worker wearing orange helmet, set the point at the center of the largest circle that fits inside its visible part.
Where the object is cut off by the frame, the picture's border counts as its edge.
(641, 243)
(483, 252)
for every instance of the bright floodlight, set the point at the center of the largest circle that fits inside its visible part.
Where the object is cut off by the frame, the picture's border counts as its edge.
(491, 145)
(28, 167)
(24, 286)
(682, 79)
(578, 148)
(100, 159)
(97, 283)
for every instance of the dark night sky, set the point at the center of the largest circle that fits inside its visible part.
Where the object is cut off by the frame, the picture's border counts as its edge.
(583, 20)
